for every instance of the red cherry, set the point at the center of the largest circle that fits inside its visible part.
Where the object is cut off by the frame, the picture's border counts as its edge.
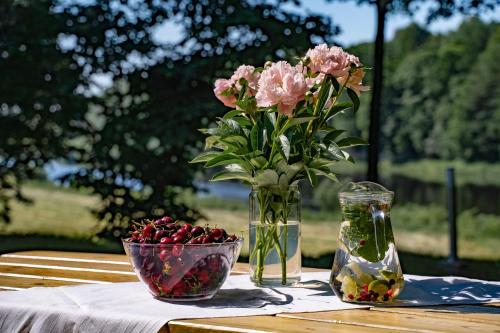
(177, 250)
(208, 239)
(187, 227)
(362, 242)
(350, 296)
(178, 239)
(148, 231)
(194, 241)
(365, 287)
(167, 219)
(203, 276)
(160, 234)
(181, 232)
(232, 238)
(167, 240)
(164, 255)
(217, 234)
(197, 231)
(170, 226)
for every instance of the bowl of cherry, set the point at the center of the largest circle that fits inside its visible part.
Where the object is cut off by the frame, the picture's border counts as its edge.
(179, 261)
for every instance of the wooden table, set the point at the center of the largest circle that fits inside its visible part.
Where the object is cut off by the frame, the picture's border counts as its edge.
(46, 268)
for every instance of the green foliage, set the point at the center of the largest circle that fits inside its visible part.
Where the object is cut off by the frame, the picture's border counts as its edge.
(134, 140)
(440, 97)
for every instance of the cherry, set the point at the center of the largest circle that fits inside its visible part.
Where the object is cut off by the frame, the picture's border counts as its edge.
(164, 255)
(178, 239)
(365, 287)
(197, 231)
(187, 227)
(160, 234)
(362, 242)
(148, 231)
(177, 250)
(181, 232)
(167, 240)
(203, 277)
(171, 226)
(217, 234)
(350, 296)
(232, 238)
(194, 241)
(208, 239)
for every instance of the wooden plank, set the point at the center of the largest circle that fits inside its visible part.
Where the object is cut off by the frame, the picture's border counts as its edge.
(124, 267)
(474, 313)
(260, 324)
(391, 320)
(66, 272)
(27, 281)
(74, 255)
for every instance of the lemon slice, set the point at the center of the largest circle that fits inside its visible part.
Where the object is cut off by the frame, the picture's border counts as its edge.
(362, 277)
(379, 286)
(388, 274)
(349, 287)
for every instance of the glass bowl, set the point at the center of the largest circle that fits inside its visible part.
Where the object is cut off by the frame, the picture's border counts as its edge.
(183, 272)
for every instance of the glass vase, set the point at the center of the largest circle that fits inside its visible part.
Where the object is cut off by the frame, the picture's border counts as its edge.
(366, 267)
(275, 253)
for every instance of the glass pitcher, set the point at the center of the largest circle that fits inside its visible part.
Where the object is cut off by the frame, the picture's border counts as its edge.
(366, 267)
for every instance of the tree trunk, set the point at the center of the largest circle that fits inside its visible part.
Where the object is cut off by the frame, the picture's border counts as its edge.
(375, 105)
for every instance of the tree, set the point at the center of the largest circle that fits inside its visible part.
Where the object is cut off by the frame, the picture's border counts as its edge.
(440, 8)
(134, 140)
(37, 102)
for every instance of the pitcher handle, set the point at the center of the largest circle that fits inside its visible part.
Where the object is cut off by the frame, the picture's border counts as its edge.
(378, 218)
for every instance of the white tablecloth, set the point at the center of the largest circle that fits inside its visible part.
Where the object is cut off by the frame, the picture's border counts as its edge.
(128, 307)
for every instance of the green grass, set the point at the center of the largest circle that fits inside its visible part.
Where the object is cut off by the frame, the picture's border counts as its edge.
(60, 219)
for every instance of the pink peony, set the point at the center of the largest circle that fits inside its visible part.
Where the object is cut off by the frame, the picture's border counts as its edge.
(283, 85)
(248, 73)
(355, 60)
(223, 91)
(333, 60)
(355, 81)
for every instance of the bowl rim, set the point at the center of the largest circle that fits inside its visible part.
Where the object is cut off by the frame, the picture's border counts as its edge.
(239, 241)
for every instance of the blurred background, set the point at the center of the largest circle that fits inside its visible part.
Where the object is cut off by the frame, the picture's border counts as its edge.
(100, 102)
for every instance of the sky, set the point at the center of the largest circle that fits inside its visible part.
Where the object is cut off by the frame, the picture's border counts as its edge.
(357, 22)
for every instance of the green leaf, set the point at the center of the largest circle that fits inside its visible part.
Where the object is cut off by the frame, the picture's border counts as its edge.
(354, 98)
(323, 95)
(257, 136)
(238, 139)
(351, 142)
(334, 150)
(205, 156)
(311, 176)
(331, 136)
(223, 156)
(227, 175)
(298, 121)
(338, 108)
(266, 178)
(231, 114)
(258, 161)
(283, 182)
(210, 141)
(244, 122)
(285, 146)
(244, 164)
(289, 169)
